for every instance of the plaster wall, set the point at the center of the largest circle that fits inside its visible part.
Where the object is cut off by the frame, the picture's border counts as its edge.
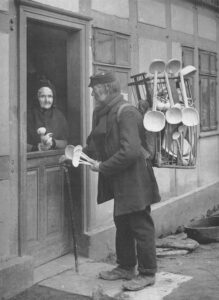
(179, 211)
(64, 4)
(119, 8)
(207, 27)
(186, 180)
(168, 216)
(4, 78)
(4, 137)
(104, 214)
(4, 220)
(176, 51)
(182, 19)
(154, 41)
(149, 50)
(4, 5)
(152, 12)
(208, 160)
(97, 216)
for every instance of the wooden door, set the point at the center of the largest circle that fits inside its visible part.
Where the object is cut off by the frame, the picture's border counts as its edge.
(47, 220)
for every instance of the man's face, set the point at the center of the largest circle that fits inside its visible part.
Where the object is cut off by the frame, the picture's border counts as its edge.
(45, 97)
(99, 92)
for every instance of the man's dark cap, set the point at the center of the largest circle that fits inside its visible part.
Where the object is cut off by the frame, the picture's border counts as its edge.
(101, 78)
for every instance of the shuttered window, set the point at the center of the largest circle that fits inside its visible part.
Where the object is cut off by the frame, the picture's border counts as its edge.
(111, 51)
(207, 90)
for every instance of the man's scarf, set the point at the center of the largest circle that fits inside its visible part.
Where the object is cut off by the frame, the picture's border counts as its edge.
(100, 123)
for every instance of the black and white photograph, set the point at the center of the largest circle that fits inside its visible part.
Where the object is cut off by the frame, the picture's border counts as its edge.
(109, 152)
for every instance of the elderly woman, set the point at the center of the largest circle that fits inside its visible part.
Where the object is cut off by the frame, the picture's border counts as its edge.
(53, 132)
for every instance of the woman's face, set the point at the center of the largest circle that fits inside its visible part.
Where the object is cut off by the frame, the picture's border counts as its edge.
(99, 92)
(45, 97)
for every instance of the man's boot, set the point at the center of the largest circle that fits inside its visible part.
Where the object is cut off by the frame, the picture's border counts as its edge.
(118, 273)
(139, 282)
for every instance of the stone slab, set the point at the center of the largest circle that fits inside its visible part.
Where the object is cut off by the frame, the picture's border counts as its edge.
(87, 281)
(57, 266)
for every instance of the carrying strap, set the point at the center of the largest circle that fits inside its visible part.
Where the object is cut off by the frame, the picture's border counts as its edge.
(119, 111)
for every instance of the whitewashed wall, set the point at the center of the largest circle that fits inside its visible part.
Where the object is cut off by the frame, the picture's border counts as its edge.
(72, 5)
(207, 27)
(4, 5)
(182, 19)
(152, 12)
(119, 8)
(149, 50)
(4, 78)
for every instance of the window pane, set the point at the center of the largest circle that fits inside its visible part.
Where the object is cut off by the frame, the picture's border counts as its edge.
(122, 50)
(213, 64)
(213, 110)
(204, 62)
(104, 47)
(204, 102)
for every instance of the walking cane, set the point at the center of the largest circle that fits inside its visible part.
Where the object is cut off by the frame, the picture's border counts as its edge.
(70, 199)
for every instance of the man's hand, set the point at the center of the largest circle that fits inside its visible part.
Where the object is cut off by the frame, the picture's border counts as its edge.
(95, 166)
(65, 161)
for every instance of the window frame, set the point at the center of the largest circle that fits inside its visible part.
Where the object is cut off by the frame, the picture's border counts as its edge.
(209, 75)
(114, 66)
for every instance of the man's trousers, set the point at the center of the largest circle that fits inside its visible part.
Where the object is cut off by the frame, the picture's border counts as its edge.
(135, 241)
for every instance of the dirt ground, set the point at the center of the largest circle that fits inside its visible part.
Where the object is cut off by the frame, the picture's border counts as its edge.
(202, 264)
(44, 293)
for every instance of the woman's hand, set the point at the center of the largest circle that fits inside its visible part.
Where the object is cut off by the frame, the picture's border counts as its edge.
(43, 147)
(47, 140)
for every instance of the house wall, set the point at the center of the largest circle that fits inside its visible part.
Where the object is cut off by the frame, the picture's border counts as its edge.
(16, 273)
(161, 28)
(157, 29)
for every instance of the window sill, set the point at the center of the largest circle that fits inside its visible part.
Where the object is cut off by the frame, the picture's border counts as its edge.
(209, 133)
(38, 154)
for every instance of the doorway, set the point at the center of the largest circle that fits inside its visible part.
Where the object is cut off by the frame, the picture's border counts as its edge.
(52, 50)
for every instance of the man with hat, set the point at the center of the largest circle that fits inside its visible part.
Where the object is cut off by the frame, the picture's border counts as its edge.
(117, 143)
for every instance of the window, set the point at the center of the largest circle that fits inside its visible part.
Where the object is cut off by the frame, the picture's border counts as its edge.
(111, 51)
(207, 90)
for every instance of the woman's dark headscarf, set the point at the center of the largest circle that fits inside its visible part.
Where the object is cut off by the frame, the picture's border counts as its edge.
(52, 119)
(44, 83)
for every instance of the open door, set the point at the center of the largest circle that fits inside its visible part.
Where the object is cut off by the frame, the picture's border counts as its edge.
(51, 47)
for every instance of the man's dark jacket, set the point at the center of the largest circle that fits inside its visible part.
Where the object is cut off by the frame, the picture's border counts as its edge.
(126, 173)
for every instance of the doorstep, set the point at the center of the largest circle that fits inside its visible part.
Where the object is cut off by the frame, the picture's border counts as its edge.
(60, 275)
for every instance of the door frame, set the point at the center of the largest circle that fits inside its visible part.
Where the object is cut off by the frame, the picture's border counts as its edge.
(53, 16)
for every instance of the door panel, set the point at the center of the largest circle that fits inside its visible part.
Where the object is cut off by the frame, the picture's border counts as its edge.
(54, 196)
(32, 205)
(47, 230)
